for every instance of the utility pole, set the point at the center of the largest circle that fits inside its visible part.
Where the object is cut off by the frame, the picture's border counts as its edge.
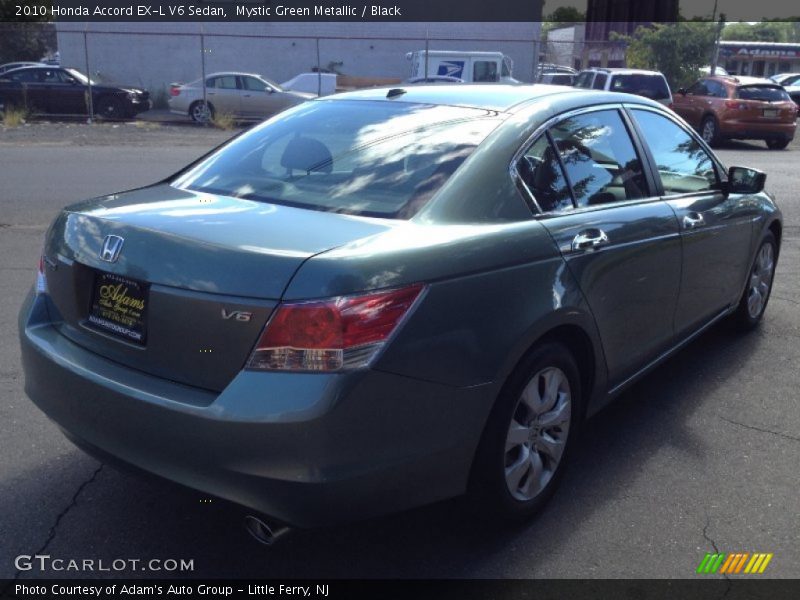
(717, 36)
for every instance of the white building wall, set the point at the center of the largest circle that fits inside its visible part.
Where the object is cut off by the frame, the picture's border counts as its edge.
(152, 55)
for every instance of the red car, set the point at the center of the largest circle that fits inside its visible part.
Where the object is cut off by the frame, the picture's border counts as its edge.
(742, 108)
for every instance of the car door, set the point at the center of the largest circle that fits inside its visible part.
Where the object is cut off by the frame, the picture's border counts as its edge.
(691, 105)
(224, 95)
(14, 88)
(716, 227)
(66, 94)
(258, 98)
(34, 90)
(618, 238)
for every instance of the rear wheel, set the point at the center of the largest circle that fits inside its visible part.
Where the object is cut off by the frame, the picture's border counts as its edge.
(777, 143)
(759, 285)
(709, 130)
(529, 435)
(201, 112)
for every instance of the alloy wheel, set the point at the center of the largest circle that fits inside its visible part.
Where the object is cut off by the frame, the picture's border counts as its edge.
(709, 131)
(537, 434)
(760, 280)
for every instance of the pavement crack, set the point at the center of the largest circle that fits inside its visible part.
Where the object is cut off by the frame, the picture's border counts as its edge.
(786, 299)
(761, 429)
(54, 529)
(728, 583)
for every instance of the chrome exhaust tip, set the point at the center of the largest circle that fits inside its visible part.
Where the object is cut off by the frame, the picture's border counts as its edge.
(264, 531)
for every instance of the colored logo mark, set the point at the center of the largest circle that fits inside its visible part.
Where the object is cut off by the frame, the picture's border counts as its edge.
(734, 563)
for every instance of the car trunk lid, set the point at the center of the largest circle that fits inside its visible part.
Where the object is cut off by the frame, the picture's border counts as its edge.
(195, 278)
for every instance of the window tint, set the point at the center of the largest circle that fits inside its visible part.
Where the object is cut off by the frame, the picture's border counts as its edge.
(716, 89)
(376, 159)
(600, 81)
(762, 92)
(540, 171)
(484, 70)
(584, 79)
(642, 84)
(598, 155)
(682, 163)
(28, 75)
(254, 85)
(225, 82)
(698, 88)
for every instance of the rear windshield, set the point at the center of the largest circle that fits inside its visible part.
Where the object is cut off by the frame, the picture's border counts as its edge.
(649, 86)
(584, 79)
(764, 93)
(366, 158)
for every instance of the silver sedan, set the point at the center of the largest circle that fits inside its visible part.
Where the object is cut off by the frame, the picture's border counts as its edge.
(240, 95)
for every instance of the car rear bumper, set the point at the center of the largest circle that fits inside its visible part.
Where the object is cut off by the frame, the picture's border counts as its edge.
(308, 449)
(759, 131)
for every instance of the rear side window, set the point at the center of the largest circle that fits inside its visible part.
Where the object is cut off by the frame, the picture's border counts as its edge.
(225, 82)
(764, 93)
(682, 163)
(541, 172)
(641, 84)
(599, 158)
(29, 75)
(600, 81)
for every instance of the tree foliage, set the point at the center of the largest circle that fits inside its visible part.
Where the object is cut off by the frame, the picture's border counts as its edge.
(24, 40)
(765, 31)
(678, 50)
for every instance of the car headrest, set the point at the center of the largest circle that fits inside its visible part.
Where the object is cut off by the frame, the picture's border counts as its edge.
(307, 154)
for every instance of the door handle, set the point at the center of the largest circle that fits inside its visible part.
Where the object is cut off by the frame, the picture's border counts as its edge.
(693, 220)
(590, 239)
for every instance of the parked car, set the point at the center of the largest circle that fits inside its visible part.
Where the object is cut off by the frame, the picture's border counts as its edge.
(240, 95)
(16, 65)
(60, 91)
(742, 108)
(367, 304)
(650, 84)
(786, 79)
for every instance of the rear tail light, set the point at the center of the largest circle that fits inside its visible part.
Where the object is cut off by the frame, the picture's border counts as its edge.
(175, 90)
(331, 335)
(41, 278)
(735, 105)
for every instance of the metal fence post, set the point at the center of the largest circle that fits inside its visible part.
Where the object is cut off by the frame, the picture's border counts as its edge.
(88, 74)
(203, 70)
(319, 72)
(426, 54)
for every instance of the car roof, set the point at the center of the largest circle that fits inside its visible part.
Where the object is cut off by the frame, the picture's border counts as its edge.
(623, 71)
(740, 80)
(488, 96)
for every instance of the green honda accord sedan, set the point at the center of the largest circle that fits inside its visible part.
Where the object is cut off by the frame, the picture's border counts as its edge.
(385, 298)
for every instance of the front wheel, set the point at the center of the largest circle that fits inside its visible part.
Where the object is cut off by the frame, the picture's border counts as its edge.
(759, 285)
(777, 143)
(110, 108)
(709, 130)
(528, 437)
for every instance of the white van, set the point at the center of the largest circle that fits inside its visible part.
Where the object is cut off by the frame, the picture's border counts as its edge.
(471, 67)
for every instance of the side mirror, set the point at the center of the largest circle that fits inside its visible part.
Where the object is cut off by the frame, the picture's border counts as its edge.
(682, 91)
(742, 180)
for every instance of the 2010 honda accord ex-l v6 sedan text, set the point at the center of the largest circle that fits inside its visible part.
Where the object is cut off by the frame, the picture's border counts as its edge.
(389, 297)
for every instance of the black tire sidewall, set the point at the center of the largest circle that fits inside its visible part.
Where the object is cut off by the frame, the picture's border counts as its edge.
(715, 139)
(488, 490)
(106, 101)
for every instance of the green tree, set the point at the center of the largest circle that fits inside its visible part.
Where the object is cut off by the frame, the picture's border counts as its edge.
(27, 39)
(678, 50)
(765, 31)
(563, 16)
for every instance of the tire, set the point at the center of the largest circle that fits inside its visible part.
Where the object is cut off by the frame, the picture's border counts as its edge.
(709, 131)
(201, 112)
(777, 143)
(759, 285)
(502, 483)
(109, 108)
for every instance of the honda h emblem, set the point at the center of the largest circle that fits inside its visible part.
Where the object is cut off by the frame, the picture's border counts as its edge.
(111, 248)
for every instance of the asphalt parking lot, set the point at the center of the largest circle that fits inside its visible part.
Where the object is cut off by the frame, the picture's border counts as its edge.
(700, 456)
